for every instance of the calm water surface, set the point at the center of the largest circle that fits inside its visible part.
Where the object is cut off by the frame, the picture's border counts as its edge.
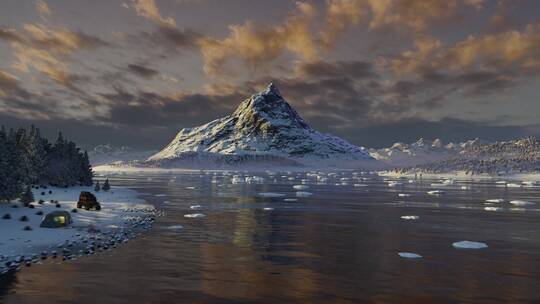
(338, 246)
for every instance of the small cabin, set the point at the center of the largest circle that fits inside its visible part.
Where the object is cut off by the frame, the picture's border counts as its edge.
(56, 219)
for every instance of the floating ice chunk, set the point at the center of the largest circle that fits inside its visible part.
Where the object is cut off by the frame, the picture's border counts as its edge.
(404, 195)
(469, 245)
(435, 192)
(448, 182)
(512, 185)
(492, 208)
(271, 194)
(465, 188)
(495, 200)
(238, 180)
(500, 182)
(194, 215)
(409, 255)
(195, 207)
(161, 195)
(190, 188)
(290, 200)
(360, 185)
(303, 194)
(521, 203)
(410, 217)
(300, 187)
(254, 180)
(166, 202)
(268, 209)
(394, 184)
(438, 185)
(175, 227)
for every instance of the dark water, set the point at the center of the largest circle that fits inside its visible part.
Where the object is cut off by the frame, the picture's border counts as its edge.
(338, 246)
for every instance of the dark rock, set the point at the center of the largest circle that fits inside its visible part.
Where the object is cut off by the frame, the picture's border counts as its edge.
(88, 201)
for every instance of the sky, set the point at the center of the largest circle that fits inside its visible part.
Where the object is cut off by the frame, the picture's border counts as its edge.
(134, 72)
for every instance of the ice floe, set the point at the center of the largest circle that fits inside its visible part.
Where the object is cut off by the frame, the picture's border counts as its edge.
(410, 217)
(174, 227)
(521, 203)
(271, 194)
(300, 187)
(469, 245)
(404, 194)
(303, 194)
(195, 207)
(290, 200)
(194, 215)
(435, 192)
(409, 255)
(495, 200)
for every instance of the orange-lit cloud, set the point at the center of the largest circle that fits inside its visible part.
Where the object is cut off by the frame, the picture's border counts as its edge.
(148, 9)
(256, 44)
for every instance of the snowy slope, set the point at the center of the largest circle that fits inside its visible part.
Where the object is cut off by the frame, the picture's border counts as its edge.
(264, 125)
(420, 152)
(505, 157)
(107, 153)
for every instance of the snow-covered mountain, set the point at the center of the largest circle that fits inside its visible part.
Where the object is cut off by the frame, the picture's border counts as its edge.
(420, 152)
(263, 127)
(504, 157)
(107, 153)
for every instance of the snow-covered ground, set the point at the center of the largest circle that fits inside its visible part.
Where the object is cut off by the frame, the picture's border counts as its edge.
(121, 210)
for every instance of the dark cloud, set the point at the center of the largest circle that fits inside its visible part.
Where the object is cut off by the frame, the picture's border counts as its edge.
(156, 110)
(10, 35)
(323, 69)
(142, 70)
(168, 38)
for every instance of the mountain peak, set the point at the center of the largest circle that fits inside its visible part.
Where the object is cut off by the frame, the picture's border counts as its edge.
(271, 89)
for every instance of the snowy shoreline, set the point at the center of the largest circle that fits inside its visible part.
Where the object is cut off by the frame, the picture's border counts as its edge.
(122, 214)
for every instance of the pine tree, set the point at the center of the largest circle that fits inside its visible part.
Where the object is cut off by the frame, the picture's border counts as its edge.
(106, 186)
(12, 185)
(97, 188)
(27, 197)
(86, 170)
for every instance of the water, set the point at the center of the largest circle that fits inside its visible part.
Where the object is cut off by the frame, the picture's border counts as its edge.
(339, 245)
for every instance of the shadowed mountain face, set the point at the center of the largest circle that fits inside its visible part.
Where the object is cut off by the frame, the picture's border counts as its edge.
(262, 125)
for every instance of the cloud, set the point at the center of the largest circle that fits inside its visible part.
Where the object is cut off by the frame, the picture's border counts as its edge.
(180, 109)
(148, 9)
(142, 71)
(43, 9)
(48, 50)
(258, 44)
(417, 15)
(340, 15)
(10, 35)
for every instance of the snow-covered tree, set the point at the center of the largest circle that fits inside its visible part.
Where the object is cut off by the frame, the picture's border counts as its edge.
(27, 197)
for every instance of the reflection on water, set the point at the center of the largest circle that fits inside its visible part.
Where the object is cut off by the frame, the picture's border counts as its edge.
(338, 246)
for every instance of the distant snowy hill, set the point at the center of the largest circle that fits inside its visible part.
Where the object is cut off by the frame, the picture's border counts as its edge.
(107, 153)
(264, 128)
(505, 157)
(420, 152)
